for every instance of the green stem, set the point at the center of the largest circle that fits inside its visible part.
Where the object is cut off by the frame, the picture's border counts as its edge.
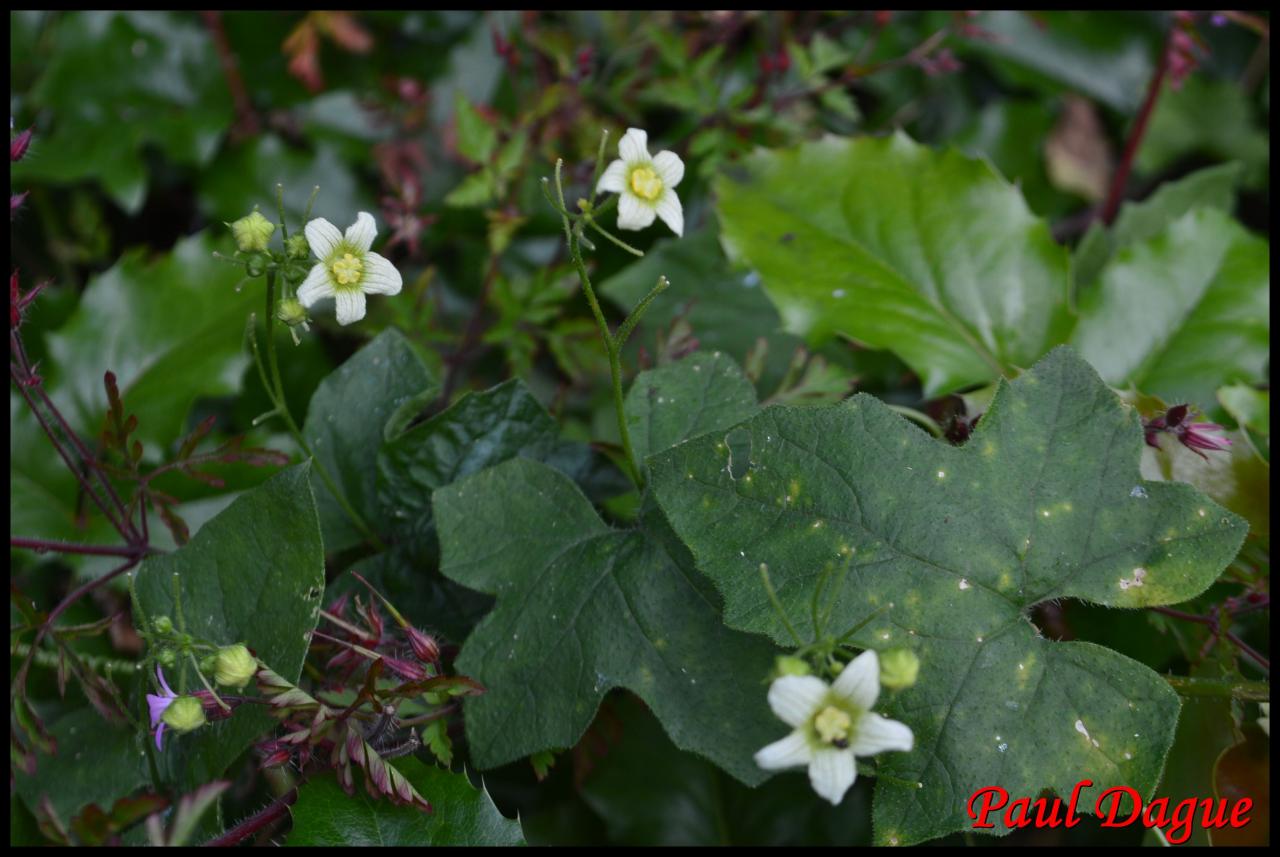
(919, 418)
(628, 325)
(613, 238)
(276, 393)
(204, 681)
(97, 663)
(1251, 691)
(611, 344)
(777, 605)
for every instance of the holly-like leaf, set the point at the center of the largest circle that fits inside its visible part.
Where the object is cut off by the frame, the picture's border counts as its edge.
(671, 404)
(254, 575)
(583, 608)
(947, 550)
(1184, 313)
(171, 330)
(347, 421)
(931, 255)
(462, 814)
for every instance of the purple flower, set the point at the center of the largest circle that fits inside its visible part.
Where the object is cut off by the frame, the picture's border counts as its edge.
(158, 706)
(1195, 436)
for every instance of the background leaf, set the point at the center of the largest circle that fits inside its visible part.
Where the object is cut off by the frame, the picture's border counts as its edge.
(1183, 313)
(462, 814)
(346, 424)
(931, 255)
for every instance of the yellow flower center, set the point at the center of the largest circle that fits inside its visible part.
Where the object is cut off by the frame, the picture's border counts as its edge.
(346, 270)
(832, 725)
(645, 183)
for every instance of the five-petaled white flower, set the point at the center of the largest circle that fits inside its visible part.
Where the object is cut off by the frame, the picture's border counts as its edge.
(347, 270)
(833, 724)
(646, 186)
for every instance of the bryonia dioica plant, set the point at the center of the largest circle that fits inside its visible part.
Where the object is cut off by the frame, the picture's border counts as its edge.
(903, 434)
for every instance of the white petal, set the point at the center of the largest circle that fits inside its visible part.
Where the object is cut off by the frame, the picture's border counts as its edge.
(791, 752)
(360, 234)
(859, 681)
(668, 208)
(634, 214)
(323, 237)
(380, 276)
(831, 773)
(317, 285)
(795, 698)
(613, 179)
(670, 167)
(634, 146)
(350, 305)
(875, 734)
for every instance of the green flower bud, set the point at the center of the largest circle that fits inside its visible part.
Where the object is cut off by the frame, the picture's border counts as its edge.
(235, 666)
(899, 668)
(184, 714)
(296, 247)
(162, 624)
(252, 232)
(208, 664)
(291, 312)
(788, 665)
(167, 657)
(256, 265)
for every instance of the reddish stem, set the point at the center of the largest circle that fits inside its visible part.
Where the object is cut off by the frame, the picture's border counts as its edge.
(1116, 194)
(42, 545)
(269, 814)
(1212, 623)
(246, 119)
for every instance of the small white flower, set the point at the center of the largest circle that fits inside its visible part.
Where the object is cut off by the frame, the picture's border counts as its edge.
(833, 724)
(646, 186)
(347, 270)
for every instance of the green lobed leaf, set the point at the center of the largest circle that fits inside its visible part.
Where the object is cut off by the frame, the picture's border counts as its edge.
(670, 404)
(583, 608)
(931, 255)
(477, 139)
(1212, 187)
(347, 422)
(462, 814)
(253, 574)
(1183, 313)
(949, 549)
(171, 330)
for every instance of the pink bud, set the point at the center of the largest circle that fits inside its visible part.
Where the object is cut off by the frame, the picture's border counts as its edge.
(425, 648)
(18, 145)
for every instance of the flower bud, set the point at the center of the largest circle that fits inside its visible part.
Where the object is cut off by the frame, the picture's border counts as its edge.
(167, 657)
(425, 648)
(234, 666)
(788, 665)
(162, 624)
(291, 312)
(184, 714)
(208, 664)
(296, 247)
(899, 668)
(252, 232)
(256, 265)
(18, 146)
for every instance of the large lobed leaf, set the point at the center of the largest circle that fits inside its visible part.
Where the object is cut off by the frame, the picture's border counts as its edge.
(462, 814)
(1182, 313)
(254, 574)
(948, 549)
(931, 255)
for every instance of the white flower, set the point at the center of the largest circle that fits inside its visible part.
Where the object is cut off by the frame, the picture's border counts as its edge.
(646, 186)
(833, 724)
(347, 270)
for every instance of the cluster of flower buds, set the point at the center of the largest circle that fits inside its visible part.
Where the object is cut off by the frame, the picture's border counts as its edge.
(1185, 49)
(1195, 436)
(17, 150)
